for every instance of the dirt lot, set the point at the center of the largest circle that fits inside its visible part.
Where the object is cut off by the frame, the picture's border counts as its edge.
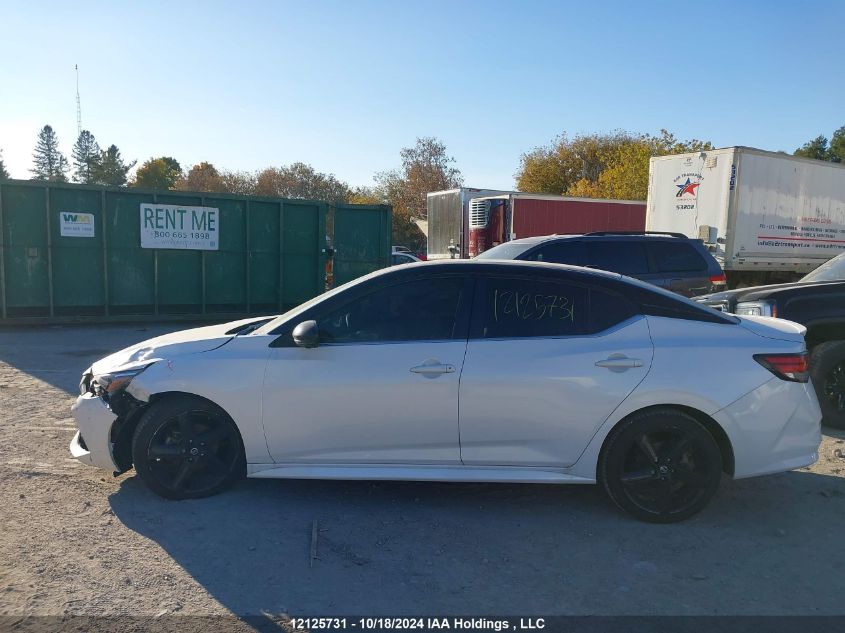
(75, 540)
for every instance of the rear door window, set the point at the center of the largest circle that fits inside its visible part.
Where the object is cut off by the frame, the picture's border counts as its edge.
(626, 258)
(509, 307)
(676, 257)
(527, 308)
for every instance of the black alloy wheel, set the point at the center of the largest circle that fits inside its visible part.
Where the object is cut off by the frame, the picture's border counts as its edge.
(834, 387)
(661, 466)
(187, 448)
(827, 373)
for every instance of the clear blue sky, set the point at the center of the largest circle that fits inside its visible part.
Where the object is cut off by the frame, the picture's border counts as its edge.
(344, 84)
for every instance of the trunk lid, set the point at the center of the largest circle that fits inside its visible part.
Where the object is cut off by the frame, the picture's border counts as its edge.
(778, 329)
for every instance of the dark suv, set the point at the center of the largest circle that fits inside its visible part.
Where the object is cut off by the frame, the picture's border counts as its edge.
(669, 260)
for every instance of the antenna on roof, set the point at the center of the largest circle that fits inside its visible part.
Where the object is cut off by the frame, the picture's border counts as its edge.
(78, 104)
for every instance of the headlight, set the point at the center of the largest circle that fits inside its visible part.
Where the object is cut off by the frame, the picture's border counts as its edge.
(114, 381)
(756, 308)
(85, 383)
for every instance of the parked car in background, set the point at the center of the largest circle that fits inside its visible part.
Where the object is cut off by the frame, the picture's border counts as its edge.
(668, 260)
(400, 257)
(404, 250)
(464, 371)
(817, 301)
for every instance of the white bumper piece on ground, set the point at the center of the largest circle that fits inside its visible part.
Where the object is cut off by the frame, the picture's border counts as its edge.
(94, 421)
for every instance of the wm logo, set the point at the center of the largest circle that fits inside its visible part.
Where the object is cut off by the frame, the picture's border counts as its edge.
(77, 219)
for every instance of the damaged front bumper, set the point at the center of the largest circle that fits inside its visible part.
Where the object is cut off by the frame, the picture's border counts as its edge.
(92, 443)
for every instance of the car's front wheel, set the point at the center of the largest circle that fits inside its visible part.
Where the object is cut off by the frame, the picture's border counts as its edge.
(661, 465)
(186, 447)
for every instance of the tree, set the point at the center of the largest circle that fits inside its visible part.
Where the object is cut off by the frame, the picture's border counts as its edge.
(611, 165)
(425, 167)
(110, 170)
(4, 173)
(158, 173)
(817, 148)
(48, 163)
(624, 175)
(85, 155)
(555, 168)
(202, 177)
(241, 183)
(300, 181)
(836, 148)
(820, 149)
(365, 195)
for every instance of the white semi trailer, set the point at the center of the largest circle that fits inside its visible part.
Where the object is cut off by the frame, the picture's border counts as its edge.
(768, 217)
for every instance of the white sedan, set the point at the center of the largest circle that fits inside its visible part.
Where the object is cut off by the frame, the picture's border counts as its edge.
(464, 371)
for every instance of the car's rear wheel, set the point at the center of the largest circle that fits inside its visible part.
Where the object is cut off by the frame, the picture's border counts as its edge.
(661, 466)
(186, 447)
(827, 371)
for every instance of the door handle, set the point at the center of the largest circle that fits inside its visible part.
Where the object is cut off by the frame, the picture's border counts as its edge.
(433, 369)
(618, 362)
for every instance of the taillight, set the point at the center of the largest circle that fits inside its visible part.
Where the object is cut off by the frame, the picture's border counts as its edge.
(718, 280)
(792, 367)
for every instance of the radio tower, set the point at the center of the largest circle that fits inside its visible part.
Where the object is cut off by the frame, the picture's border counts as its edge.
(78, 104)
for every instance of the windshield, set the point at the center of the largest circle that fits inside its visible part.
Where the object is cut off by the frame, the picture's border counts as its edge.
(508, 250)
(831, 270)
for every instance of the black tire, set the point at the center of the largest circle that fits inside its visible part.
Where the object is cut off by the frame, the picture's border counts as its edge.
(660, 465)
(185, 447)
(827, 371)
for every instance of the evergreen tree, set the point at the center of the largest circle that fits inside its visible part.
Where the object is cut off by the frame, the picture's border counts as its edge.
(85, 155)
(817, 148)
(836, 148)
(4, 173)
(110, 169)
(48, 163)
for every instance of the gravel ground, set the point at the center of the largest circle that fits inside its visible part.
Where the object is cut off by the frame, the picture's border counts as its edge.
(75, 540)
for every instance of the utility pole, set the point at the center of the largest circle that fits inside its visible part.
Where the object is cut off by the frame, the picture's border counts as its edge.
(78, 104)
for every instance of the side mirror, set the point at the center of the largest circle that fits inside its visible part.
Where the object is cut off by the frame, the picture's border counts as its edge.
(306, 334)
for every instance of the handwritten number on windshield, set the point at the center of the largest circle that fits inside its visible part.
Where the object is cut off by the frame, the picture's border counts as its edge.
(512, 304)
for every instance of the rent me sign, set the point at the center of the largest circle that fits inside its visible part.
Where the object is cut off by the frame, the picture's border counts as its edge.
(174, 226)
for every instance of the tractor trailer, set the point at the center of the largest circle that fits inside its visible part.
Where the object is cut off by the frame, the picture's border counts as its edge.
(465, 222)
(767, 217)
(497, 219)
(448, 216)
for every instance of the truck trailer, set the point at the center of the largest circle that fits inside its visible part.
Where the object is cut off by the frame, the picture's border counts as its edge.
(448, 216)
(497, 219)
(767, 217)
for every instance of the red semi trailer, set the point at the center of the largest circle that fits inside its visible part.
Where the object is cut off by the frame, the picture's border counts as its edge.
(497, 219)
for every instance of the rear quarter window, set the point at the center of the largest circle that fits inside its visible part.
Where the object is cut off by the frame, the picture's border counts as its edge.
(624, 257)
(676, 257)
(609, 308)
